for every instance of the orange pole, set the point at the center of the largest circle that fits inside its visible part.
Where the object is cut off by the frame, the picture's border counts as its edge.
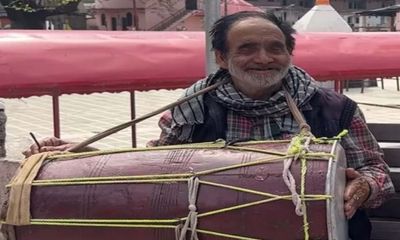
(322, 2)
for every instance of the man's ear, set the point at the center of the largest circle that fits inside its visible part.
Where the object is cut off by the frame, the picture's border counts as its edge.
(221, 59)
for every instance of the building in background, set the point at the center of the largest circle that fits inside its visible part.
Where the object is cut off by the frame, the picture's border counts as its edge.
(187, 15)
(135, 14)
(194, 20)
(292, 10)
(155, 15)
(389, 19)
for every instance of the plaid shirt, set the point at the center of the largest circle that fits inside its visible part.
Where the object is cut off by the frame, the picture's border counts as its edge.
(362, 152)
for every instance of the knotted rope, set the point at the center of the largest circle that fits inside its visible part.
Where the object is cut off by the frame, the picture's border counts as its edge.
(297, 148)
(191, 220)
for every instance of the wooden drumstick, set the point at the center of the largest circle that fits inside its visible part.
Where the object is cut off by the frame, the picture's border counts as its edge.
(115, 129)
(35, 140)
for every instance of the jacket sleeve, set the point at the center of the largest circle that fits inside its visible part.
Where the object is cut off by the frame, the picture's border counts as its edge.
(364, 155)
(169, 135)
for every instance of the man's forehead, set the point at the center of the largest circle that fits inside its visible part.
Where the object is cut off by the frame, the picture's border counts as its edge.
(255, 25)
(254, 21)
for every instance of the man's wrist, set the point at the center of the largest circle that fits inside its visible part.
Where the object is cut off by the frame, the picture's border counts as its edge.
(373, 189)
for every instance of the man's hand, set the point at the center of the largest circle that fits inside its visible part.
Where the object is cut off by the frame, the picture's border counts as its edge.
(356, 192)
(48, 145)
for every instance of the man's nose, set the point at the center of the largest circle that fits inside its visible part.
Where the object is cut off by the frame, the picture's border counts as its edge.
(263, 56)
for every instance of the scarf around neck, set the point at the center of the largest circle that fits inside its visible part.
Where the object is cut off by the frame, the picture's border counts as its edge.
(299, 84)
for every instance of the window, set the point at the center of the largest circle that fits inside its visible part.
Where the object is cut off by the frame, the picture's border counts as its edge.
(114, 24)
(349, 20)
(103, 20)
(357, 4)
(129, 19)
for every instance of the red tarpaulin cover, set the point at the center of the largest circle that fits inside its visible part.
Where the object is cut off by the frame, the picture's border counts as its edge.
(55, 62)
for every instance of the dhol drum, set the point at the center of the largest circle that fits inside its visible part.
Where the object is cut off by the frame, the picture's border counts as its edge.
(195, 191)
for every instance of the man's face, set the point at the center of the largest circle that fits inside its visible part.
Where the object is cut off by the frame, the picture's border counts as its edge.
(257, 57)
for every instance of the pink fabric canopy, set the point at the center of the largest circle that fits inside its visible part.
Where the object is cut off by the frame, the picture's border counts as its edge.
(56, 62)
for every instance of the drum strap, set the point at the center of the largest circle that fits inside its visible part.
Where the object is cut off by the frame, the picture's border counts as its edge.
(18, 212)
(304, 127)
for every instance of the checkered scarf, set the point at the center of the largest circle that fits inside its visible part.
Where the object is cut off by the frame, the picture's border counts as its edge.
(247, 118)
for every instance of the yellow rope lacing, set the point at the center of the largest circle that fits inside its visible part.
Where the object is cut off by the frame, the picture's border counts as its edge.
(168, 178)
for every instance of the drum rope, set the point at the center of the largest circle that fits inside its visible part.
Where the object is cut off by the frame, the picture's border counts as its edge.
(208, 145)
(160, 223)
(306, 225)
(297, 149)
(163, 177)
(191, 220)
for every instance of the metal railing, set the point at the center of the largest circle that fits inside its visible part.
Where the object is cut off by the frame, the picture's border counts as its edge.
(170, 20)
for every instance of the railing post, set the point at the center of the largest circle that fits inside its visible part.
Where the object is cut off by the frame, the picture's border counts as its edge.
(56, 115)
(133, 116)
(337, 85)
(3, 120)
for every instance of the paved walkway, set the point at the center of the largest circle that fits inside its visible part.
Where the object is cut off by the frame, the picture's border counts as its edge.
(82, 116)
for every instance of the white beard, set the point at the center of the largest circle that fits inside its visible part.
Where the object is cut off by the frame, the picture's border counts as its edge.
(258, 80)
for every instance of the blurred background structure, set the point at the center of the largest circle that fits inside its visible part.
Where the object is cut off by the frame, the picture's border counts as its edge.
(180, 15)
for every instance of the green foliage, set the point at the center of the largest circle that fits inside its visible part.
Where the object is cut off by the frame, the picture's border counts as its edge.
(31, 6)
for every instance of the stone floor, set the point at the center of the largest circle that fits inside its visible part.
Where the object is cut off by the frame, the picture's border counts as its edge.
(82, 116)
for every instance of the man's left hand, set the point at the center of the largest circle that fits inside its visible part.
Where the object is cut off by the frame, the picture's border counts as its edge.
(356, 192)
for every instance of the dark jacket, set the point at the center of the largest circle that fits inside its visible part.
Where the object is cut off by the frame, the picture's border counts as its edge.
(330, 114)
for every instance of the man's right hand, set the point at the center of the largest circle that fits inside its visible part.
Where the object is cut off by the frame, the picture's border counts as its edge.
(48, 145)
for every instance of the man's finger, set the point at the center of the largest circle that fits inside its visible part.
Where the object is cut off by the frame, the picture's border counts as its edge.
(26, 153)
(54, 148)
(350, 213)
(34, 149)
(351, 206)
(351, 173)
(349, 191)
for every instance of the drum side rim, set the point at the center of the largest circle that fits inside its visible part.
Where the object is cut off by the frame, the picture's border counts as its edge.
(330, 190)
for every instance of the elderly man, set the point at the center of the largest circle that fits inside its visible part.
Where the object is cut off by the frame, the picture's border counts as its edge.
(253, 51)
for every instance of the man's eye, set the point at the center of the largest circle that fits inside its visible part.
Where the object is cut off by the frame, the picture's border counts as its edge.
(277, 49)
(247, 49)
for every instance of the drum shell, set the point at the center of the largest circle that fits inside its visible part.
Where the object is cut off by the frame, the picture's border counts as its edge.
(169, 200)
